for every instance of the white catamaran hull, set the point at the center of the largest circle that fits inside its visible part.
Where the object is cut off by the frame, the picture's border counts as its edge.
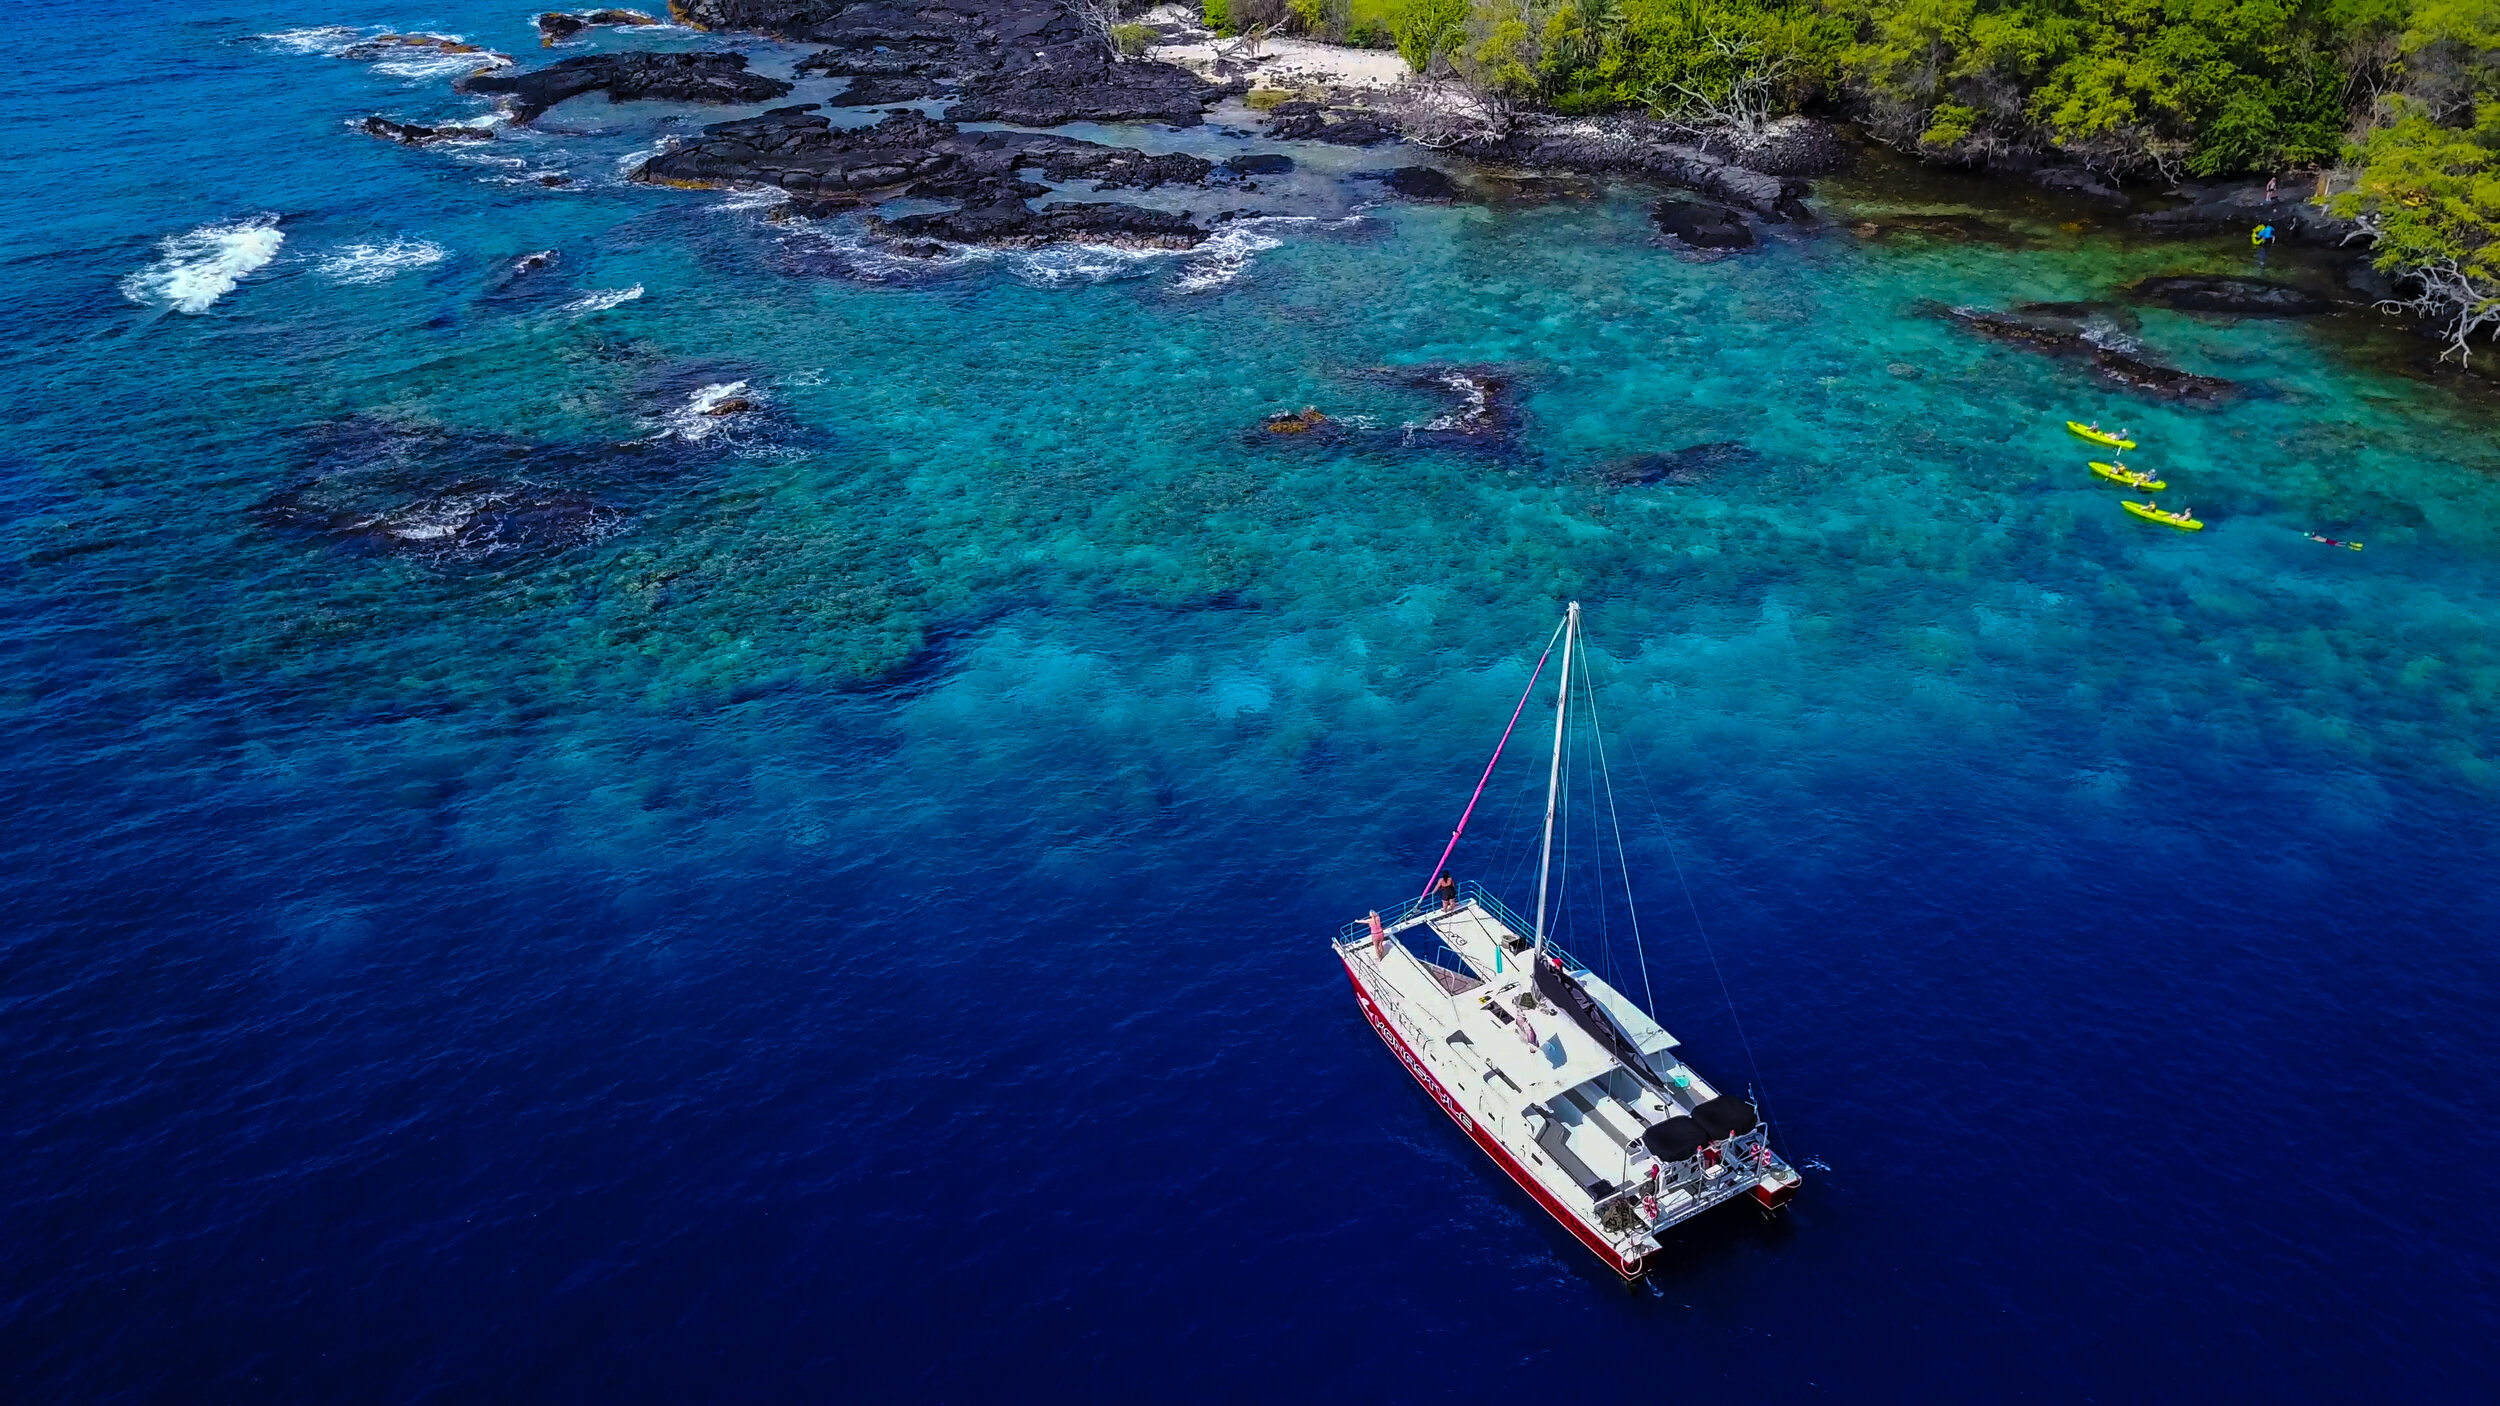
(1630, 1267)
(1456, 1030)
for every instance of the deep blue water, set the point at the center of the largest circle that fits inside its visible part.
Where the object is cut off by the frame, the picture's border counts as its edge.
(832, 902)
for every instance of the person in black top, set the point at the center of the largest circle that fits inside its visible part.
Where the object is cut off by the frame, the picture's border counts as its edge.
(1447, 892)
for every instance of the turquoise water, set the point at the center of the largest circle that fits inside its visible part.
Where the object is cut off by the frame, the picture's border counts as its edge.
(858, 875)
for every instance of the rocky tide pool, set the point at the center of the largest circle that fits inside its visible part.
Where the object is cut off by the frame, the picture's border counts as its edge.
(619, 791)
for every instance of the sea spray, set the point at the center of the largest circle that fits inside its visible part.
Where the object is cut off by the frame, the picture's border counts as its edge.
(380, 263)
(194, 270)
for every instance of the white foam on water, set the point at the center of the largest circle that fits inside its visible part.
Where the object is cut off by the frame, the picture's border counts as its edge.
(1066, 265)
(322, 39)
(1224, 257)
(697, 419)
(422, 64)
(204, 265)
(862, 258)
(755, 198)
(631, 161)
(380, 263)
(602, 300)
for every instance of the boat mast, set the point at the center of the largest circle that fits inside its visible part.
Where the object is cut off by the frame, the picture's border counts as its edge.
(1553, 778)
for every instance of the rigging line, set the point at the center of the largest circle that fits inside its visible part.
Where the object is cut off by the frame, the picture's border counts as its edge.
(1623, 862)
(1659, 815)
(1488, 766)
(1597, 842)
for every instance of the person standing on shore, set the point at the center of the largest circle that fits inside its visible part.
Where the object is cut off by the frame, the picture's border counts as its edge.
(2269, 190)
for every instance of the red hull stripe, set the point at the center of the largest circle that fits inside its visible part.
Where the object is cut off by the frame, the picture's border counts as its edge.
(1501, 1155)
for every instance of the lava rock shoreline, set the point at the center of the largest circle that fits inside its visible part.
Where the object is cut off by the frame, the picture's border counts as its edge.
(829, 169)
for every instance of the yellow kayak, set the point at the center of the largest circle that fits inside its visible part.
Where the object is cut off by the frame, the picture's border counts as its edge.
(2150, 513)
(2132, 478)
(2099, 436)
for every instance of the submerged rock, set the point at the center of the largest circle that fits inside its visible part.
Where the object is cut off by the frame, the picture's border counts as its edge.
(420, 493)
(1483, 404)
(2224, 293)
(1942, 229)
(2119, 364)
(1259, 163)
(1702, 226)
(1421, 183)
(1696, 463)
(411, 134)
(697, 78)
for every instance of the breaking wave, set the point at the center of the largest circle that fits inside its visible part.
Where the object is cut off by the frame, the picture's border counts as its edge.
(603, 299)
(329, 39)
(198, 268)
(1224, 257)
(379, 263)
(709, 409)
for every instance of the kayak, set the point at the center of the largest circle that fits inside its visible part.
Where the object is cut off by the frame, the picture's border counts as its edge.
(2132, 478)
(2099, 436)
(2150, 513)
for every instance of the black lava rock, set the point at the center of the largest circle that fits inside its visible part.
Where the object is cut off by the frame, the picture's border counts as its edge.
(700, 78)
(1421, 183)
(1259, 163)
(1013, 224)
(1702, 226)
(883, 92)
(2224, 293)
(829, 168)
(410, 134)
(1314, 122)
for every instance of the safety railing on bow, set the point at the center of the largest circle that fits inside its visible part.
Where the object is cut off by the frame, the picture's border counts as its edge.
(1469, 892)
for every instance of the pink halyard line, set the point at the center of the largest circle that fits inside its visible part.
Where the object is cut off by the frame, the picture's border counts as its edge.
(1452, 846)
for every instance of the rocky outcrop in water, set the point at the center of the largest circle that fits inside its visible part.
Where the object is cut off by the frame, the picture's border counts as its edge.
(1421, 183)
(416, 492)
(2254, 297)
(693, 78)
(2235, 207)
(1634, 147)
(1699, 226)
(1029, 62)
(386, 46)
(2118, 365)
(410, 134)
(1483, 403)
(1014, 224)
(832, 168)
(558, 25)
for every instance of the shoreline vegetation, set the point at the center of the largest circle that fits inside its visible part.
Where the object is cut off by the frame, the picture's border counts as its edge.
(2378, 120)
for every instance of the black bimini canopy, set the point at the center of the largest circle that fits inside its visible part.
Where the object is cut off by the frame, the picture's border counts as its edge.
(1675, 1139)
(1556, 985)
(1726, 1116)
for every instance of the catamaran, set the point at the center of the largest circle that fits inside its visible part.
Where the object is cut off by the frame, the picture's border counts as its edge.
(1566, 1083)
